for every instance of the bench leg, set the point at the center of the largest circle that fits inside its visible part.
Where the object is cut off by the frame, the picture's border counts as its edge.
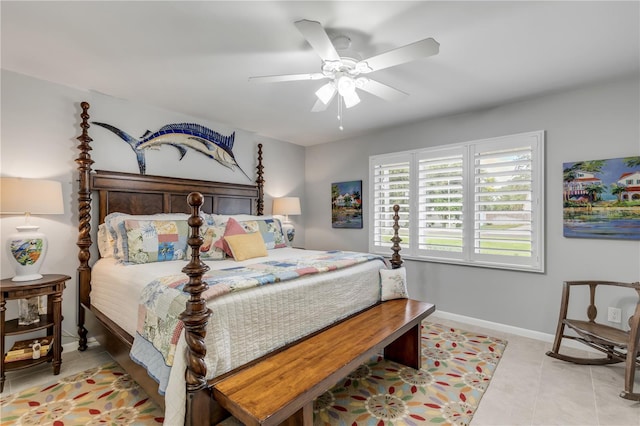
(302, 417)
(406, 349)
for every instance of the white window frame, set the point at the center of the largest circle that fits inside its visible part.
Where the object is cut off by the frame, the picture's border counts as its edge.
(410, 228)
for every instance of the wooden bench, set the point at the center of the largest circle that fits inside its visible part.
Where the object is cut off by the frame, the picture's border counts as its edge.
(281, 388)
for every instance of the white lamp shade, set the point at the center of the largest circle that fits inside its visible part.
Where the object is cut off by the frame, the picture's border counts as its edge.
(33, 196)
(27, 248)
(286, 206)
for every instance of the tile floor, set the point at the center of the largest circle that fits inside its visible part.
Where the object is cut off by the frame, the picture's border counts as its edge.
(528, 387)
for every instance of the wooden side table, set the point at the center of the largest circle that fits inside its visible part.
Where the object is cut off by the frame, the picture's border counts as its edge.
(50, 285)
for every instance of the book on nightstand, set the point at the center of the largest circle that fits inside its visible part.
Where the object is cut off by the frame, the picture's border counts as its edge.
(23, 349)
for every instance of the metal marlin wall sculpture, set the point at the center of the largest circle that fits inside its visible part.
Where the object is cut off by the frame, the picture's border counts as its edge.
(182, 136)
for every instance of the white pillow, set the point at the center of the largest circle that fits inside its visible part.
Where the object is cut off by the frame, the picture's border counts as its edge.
(393, 283)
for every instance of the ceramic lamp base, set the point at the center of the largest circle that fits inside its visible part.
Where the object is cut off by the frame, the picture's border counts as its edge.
(27, 249)
(289, 231)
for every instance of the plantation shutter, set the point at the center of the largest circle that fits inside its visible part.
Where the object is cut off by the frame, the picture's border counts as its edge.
(390, 185)
(504, 200)
(476, 203)
(441, 202)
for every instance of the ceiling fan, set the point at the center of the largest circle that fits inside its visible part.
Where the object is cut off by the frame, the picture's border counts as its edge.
(345, 73)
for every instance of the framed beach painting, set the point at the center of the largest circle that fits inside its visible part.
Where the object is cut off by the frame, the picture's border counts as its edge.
(602, 199)
(346, 204)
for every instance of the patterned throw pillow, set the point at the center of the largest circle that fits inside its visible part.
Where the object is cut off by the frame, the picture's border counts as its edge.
(155, 240)
(393, 283)
(114, 223)
(211, 234)
(271, 231)
(232, 228)
(106, 243)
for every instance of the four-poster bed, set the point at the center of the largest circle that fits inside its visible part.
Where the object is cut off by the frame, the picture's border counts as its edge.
(149, 195)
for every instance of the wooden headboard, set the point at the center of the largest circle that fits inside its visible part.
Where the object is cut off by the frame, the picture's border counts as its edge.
(143, 194)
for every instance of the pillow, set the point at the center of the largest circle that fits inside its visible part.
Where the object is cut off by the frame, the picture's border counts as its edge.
(393, 283)
(150, 241)
(271, 231)
(232, 228)
(106, 243)
(211, 234)
(115, 227)
(246, 246)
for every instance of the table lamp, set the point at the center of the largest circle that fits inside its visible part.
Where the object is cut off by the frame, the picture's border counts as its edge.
(27, 248)
(287, 206)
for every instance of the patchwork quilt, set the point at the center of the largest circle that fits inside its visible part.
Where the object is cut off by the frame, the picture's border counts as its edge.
(163, 300)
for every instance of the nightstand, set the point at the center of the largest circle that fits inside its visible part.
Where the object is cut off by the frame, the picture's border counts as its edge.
(52, 286)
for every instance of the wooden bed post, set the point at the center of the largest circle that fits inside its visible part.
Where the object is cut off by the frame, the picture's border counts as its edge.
(84, 225)
(260, 182)
(396, 260)
(195, 318)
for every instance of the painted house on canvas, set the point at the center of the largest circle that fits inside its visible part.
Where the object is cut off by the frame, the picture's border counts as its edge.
(577, 189)
(631, 183)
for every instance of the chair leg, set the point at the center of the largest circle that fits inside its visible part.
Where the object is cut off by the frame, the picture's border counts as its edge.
(632, 359)
(564, 306)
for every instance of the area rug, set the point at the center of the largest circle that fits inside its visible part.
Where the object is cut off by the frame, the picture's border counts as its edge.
(100, 396)
(457, 368)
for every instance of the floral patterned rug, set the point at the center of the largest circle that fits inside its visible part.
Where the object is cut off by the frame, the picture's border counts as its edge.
(457, 368)
(100, 396)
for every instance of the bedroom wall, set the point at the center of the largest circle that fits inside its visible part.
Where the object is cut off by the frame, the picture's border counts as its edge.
(590, 123)
(40, 123)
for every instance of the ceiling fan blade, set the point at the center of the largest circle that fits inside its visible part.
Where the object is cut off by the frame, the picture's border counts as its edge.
(287, 77)
(410, 52)
(318, 39)
(381, 90)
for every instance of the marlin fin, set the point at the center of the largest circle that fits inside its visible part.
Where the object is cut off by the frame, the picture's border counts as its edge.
(181, 149)
(133, 143)
(142, 163)
(123, 135)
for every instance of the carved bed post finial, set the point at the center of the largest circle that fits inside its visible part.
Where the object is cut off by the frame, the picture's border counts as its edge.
(260, 182)
(396, 260)
(196, 314)
(84, 222)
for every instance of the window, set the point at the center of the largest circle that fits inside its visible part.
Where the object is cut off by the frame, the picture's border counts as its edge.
(475, 203)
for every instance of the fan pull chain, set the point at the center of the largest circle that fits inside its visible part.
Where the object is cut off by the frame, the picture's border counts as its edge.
(340, 112)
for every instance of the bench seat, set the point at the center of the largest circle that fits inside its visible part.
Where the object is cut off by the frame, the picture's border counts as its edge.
(281, 388)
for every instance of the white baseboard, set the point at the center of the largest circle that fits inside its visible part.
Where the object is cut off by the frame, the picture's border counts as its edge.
(545, 337)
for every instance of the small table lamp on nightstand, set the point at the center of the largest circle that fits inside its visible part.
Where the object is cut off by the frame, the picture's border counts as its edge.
(287, 206)
(28, 247)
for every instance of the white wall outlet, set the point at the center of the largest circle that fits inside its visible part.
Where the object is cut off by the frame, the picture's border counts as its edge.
(614, 315)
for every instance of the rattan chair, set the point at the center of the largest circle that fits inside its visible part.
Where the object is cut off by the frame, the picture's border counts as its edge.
(618, 345)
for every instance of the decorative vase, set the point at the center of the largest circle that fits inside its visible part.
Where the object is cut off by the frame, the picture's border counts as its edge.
(27, 249)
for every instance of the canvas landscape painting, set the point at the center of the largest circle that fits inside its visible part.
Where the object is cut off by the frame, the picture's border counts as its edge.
(346, 204)
(602, 198)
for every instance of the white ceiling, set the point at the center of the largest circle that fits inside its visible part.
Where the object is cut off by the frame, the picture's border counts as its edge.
(196, 57)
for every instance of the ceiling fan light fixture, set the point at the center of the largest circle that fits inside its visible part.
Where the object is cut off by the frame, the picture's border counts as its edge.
(351, 99)
(326, 92)
(346, 85)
